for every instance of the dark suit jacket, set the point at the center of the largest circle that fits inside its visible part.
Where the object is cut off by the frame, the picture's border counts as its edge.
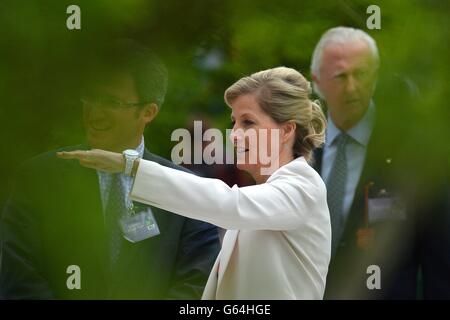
(54, 219)
(408, 252)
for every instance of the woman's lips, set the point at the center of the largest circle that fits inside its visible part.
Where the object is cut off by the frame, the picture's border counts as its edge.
(241, 150)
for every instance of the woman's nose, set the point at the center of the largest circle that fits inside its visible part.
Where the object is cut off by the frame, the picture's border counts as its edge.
(236, 135)
(233, 136)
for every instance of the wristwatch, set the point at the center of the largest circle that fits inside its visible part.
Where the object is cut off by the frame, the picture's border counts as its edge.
(129, 156)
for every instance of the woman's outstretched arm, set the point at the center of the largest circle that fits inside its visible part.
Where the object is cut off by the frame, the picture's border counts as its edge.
(281, 204)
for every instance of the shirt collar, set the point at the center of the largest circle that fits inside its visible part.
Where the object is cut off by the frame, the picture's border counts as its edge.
(360, 132)
(141, 147)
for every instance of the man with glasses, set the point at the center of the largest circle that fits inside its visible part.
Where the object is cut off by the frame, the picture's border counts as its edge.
(69, 233)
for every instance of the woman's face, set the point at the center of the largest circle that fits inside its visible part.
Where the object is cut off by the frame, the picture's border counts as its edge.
(255, 135)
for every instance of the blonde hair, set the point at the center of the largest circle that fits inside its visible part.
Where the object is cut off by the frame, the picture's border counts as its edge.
(283, 93)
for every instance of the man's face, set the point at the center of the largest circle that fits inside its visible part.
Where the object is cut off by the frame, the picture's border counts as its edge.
(346, 79)
(111, 125)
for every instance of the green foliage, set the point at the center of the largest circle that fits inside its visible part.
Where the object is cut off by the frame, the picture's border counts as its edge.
(43, 64)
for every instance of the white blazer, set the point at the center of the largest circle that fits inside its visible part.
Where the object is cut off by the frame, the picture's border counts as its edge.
(279, 241)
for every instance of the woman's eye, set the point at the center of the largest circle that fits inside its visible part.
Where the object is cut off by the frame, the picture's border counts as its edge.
(248, 122)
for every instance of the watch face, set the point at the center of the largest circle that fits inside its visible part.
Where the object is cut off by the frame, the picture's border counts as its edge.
(131, 153)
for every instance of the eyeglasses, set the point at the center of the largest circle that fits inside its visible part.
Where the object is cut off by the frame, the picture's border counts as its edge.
(110, 103)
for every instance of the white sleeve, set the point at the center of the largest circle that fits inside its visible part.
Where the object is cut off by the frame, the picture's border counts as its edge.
(281, 204)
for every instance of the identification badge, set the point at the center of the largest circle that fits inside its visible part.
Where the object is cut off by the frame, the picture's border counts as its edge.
(139, 226)
(386, 208)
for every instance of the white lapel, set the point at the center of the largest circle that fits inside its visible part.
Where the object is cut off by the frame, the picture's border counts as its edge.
(229, 240)
(209, 293)
(220, 265)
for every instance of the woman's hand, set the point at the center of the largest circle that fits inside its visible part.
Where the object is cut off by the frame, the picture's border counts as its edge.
(96, 159)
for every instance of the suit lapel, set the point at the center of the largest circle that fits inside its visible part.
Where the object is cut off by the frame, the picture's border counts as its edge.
(89, 182)
(372, 171)
(356, 214)
(318, 155)
(82, 208)
(229, 242)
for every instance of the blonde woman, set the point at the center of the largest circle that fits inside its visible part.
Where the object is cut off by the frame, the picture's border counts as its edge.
(279, 237)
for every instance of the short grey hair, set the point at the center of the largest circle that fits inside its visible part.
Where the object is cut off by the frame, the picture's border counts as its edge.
(340, 35)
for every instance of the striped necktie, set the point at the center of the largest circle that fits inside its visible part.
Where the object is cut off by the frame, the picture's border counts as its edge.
(115, 210)
(336, 191)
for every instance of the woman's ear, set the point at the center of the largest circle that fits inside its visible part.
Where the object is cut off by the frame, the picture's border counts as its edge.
(288, 131)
